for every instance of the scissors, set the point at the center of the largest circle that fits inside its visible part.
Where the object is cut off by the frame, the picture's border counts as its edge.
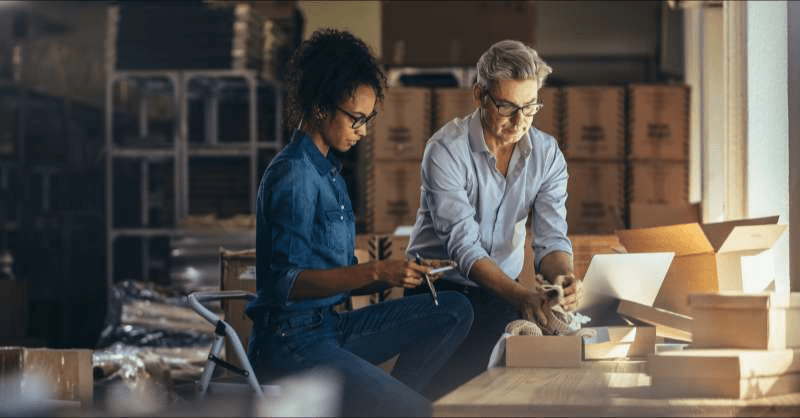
(427, 276)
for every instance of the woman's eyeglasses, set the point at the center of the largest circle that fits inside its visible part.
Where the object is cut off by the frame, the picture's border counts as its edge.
(359, 121)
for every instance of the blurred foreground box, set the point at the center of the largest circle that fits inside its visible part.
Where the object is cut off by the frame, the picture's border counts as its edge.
(67, 371)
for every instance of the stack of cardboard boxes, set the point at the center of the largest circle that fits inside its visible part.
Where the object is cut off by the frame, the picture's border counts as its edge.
(593, 142)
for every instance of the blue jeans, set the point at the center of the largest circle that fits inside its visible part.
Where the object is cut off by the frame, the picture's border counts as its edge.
(352, 343)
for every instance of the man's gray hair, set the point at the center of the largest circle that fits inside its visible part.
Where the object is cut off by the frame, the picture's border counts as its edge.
(510, 60)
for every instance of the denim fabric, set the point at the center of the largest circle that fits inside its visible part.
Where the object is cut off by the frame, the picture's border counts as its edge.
(352, 343)
(469, 210)
(491, 314)
(304, 220)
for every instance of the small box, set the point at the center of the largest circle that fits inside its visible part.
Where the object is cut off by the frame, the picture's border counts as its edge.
(237, 272)
(724, 373)
(544, 351)
(596, 197)
(658, 182)
(452, 103)
(68, 371)
(642, 215)
(708, 256)
(402, 126)
(548, 119)
(658, 121)
(738, 320)
(668, 324)
(393, 193)
(623, 342)
(594, 123)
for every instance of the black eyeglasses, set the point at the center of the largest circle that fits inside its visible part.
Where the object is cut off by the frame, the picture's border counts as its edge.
(359, 121)
(508, 109)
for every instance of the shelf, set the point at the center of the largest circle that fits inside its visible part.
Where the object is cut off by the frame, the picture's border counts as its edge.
(145, 153)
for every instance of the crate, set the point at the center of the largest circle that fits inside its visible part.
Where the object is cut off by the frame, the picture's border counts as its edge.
(595, 202)
(393, 193)
(594, 122)
(658, 121)
(402, 126)
(549, 117)
(237, 272)
(450, 103)
(658, 182)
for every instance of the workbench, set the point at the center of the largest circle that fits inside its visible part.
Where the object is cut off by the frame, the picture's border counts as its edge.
(598, 388)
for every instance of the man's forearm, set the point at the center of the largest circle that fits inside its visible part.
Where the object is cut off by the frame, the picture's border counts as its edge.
(555, 264)
(487, 274)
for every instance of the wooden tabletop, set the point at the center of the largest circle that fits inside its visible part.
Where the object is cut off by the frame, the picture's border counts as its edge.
(598, 388)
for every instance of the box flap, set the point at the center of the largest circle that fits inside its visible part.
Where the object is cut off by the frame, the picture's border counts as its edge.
(682, 239)
(752, 238)
(718, 232)
(730, 300)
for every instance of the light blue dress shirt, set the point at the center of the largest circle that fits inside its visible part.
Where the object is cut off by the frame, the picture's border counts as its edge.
(469, 210)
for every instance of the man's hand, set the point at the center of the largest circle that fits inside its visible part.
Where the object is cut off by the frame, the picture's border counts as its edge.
(573, 291)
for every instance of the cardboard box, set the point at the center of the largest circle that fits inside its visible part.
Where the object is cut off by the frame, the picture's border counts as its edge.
(427, 34)
(658, 121)
(544, 351)
(450, 103)
(68, 371)
(594, 123)
(549, 118)
(623, 342)
(738, 320)
(642, 215)
(402, 126)
(237, 272)
(708, 256)
(668, 324)
(393, 193)
(724, 373)
(658, 182)
(596, 197)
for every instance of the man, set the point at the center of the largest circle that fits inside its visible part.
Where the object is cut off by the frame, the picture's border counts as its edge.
(481, 177)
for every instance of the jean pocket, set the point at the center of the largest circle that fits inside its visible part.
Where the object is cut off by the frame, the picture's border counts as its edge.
(338, 224)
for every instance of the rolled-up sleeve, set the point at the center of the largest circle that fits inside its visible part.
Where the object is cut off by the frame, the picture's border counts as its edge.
(444, 186)
(292, 222)
(549, 224)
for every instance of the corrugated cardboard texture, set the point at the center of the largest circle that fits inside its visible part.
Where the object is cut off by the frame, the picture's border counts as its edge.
(451, 103)
(658, 121)
(68, 371)
(659, 182)
(427, 34)
(393, 193)
(594, 123)
(237, 273)
(647, 216)
(595, 204)
(544, 351)
(549, 118)
(402, 126)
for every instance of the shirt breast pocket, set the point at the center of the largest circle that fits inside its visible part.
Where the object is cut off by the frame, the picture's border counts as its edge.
(337, 226)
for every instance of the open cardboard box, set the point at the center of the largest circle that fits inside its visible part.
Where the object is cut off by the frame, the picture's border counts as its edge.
(708, 256)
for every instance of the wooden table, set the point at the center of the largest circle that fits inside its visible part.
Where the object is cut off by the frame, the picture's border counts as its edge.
(598, 388)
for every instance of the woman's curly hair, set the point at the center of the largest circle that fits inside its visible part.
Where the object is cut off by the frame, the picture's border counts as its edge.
(325, 70)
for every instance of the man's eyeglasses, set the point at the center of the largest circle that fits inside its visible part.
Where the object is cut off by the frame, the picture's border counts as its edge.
(359, 121)
(508, 109)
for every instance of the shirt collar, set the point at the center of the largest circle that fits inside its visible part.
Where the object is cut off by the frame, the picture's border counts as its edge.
(323, 164)
(477, 142)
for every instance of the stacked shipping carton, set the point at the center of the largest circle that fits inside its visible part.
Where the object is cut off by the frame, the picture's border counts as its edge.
(658, 158)
(594, 145)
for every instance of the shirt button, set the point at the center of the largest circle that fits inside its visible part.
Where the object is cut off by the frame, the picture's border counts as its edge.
(341, 217)
(342, 206)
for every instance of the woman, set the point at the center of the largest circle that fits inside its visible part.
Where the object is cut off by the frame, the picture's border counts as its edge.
(305, 261)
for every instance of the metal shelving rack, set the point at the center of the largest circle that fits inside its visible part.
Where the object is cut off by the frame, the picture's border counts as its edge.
(210, 86)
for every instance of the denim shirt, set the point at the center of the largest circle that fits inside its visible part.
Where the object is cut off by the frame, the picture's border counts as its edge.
(469, 210)
(304, 220)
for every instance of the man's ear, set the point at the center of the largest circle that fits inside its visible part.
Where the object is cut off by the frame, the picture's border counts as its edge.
(476, 94)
